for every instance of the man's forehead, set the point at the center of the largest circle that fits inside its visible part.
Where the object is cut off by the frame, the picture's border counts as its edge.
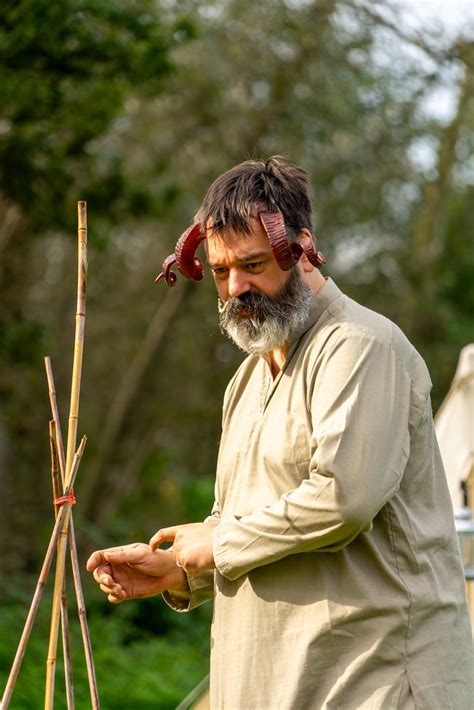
(237, 245)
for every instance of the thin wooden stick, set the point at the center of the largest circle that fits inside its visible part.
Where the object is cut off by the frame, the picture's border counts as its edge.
(81, 610)
(81, 607)
(57, 487)
(41, 581)
(55, 613)
(54, 466)
(79, 334)
(71, 443)
(55, 412)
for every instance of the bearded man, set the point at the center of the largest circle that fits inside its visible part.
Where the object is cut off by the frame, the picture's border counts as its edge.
(331, 552)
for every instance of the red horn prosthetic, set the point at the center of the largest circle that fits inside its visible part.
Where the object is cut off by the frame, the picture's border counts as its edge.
(287, 255)
(184, 257)
(315, 257)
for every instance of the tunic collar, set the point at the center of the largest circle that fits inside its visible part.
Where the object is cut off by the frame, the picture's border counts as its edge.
(319, 305)
(321, 302)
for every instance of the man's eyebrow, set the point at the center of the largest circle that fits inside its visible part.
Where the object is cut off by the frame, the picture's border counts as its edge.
(253, 257)
(242, 260)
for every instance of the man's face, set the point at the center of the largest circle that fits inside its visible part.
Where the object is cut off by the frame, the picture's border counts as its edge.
(260, 305)
(244, 262)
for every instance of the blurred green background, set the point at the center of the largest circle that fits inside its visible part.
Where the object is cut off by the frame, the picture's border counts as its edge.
(136, 107)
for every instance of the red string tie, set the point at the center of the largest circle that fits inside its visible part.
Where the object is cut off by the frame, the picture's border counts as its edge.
(66, 499)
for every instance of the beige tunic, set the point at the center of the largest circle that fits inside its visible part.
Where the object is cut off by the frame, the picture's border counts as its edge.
(339, 582)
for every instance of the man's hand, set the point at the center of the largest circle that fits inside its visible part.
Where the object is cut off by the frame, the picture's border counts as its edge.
(192, 545)
(135, 571)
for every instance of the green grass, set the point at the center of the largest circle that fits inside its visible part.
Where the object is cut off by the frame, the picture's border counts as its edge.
(146, 656)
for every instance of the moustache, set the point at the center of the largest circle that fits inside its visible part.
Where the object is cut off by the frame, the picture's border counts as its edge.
(247, 305)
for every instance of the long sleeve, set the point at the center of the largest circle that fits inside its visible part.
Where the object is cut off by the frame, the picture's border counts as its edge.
(359, 401)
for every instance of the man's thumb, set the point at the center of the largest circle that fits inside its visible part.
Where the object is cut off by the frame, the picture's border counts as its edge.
(164, 535)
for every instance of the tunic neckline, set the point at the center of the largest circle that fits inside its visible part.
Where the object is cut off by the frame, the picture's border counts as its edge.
(328, 293)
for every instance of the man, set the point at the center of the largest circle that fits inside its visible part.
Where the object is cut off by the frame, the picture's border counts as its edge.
(331, 551)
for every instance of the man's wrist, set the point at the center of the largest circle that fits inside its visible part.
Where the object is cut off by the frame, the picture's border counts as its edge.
(178, 584)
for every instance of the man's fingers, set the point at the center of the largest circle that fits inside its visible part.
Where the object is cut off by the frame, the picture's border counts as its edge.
(107, 583)
(129, 554)
(115, 596)
(113, 599)
(125, 554)
(101, 572)
(163, 535)
(96, 559)
(112, 554)
(110, 588)
(105, 580)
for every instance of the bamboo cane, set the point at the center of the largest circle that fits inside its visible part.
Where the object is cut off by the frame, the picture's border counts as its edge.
(81, 607)
(54, 466)
(71, 443)
(55, 613)
(56, 484)
(79, 334)
(55, 412)
(41, 581)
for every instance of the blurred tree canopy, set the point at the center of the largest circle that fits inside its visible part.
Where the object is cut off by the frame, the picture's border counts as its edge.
(66, 72)
(136, 107)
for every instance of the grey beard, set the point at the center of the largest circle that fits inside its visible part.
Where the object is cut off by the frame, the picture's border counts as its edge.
(274, 320)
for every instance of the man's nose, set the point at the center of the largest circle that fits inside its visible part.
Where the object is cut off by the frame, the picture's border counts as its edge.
(238, 283)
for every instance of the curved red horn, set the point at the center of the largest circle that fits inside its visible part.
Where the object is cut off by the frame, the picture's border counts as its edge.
(184, 257)
(286, 254)
(166, 273)
(315, 257)
(189, 264)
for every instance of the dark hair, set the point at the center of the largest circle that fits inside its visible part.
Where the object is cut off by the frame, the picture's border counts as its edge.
(253, 186)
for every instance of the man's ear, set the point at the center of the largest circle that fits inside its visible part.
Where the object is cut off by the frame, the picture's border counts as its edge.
(304, 235)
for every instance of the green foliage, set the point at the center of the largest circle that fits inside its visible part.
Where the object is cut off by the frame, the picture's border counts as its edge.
(66, 70)
(22, 341)
(146, 656)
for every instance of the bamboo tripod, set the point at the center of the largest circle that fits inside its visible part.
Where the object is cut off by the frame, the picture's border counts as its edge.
(63, 474)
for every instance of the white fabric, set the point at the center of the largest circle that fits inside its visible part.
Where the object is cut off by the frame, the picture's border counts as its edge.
(455, 426)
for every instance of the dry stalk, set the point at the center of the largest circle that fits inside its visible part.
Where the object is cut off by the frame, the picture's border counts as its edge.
(65, 508)
(55, 412)
(57, 487)
(81, 607)
(71, 443)
(79, 334)
(54, 466)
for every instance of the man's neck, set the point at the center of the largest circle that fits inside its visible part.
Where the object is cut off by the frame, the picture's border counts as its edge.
(276, 359)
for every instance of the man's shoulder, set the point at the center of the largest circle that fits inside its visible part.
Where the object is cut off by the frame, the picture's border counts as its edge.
(347, 322)
(242, 375)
